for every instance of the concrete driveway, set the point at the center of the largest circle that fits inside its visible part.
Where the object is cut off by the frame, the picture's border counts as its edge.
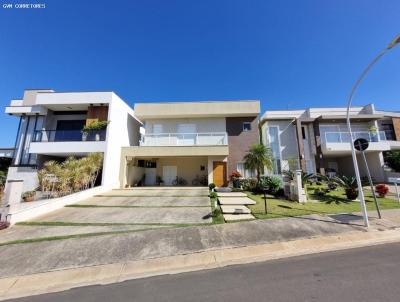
(120, 210)
(153, 205)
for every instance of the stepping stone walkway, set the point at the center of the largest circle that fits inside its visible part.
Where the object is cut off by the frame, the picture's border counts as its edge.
(233, 206)
(235, 201)
(235, 210)
(231, 194)
(234, 217)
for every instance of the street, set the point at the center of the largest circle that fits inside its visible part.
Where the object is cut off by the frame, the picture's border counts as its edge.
(364, 274)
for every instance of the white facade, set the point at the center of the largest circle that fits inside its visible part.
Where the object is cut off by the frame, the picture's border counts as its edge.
(50, 128)
(317, 139)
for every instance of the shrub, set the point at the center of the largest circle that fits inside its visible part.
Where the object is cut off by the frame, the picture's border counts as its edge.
(280, 193)
(216, 212)
(349, 184)
(28, 194)
(392, 159)
(382, 190)
(211, 186)
(213, 195)
(4, 225)
(269, 183)
(72, 175)
(235, 174)
(95, 125)
(249, 184)
(319, 192)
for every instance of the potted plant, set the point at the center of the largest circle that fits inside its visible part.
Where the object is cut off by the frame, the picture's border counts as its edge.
(94, 126)
(373, 130)
(382, 190)
(349, 184)
(211, 186)
(28, 196)
(159, 181)
(235, 177)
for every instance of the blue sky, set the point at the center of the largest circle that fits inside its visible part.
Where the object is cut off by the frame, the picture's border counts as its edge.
(288, 54)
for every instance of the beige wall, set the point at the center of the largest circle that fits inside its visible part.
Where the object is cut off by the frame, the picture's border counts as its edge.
(146, 111)
(211, 160)
(202, 124)
(187, 167)
(375, 164)
(133, 174)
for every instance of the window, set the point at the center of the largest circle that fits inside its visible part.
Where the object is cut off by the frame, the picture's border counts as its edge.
(157, 128)
(273, 138)
(245, 172)
(246, 126)
(303, 132)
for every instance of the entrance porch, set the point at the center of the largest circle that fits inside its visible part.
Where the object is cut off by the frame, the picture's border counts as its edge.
(173, 166)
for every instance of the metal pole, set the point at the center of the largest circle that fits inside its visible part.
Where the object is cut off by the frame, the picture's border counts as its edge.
(397, 192)
(353, 151)
(392, 44)
(371, 185)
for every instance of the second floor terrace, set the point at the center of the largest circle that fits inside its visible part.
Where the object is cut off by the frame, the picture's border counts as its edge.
(185, 139)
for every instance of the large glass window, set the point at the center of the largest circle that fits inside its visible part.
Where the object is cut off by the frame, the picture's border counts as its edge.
(273, 139)
(245, 172)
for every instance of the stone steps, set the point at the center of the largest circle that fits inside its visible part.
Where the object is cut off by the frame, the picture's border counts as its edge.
(240, 209)
(236, 217)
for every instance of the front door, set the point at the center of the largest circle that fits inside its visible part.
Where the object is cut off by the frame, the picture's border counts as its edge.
(169, 174)
(219, 173)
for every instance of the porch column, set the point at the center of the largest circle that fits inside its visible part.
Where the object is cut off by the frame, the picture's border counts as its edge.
(301, 145)
(122, 171)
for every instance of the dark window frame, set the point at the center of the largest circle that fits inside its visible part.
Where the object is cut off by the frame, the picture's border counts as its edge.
(246, 129)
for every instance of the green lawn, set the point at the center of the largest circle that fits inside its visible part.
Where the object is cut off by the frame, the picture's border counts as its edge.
(332, 202)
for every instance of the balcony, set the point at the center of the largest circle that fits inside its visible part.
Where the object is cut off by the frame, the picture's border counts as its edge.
(68, 136)
(67, 142)
(337, 143)
(185, 139)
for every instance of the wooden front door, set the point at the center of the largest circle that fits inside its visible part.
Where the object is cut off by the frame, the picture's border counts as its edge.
(219, 173)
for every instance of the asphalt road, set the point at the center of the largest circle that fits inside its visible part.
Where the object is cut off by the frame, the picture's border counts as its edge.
(365, 274)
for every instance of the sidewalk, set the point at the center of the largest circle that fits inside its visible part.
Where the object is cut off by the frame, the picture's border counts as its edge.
(57, 265)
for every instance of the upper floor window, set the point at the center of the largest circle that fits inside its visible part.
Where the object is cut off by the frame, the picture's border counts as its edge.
(157, 128)
(246, 126)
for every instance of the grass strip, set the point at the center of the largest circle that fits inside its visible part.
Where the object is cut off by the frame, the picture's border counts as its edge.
(124, 206)
(152, 196)
(63, 223)
(84, 235)
(217, 216)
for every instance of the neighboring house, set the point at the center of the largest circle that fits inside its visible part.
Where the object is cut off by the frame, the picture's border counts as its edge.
(317, 141)
(191, 141)
(50, 129)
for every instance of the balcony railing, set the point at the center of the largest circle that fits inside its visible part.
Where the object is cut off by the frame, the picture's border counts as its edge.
(185, 139)
(68, 135)
(344, 137)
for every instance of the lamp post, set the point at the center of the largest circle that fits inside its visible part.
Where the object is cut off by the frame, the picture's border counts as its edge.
(392, 44)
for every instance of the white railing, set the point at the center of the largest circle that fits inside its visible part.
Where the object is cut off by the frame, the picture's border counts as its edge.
(185, 139)
(344, 137)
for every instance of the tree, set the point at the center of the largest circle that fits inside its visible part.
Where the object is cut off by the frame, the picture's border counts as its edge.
(258, 157)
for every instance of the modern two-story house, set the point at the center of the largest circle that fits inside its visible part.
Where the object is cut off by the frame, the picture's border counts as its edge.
(190, 143)
(50, 128)
(317, 141)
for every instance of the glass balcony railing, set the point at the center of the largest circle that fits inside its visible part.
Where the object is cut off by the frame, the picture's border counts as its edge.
(185, 139)
(69, 135)
(344, 137)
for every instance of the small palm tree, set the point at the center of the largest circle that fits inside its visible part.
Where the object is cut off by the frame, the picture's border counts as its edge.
(349, 184)
(258, 157)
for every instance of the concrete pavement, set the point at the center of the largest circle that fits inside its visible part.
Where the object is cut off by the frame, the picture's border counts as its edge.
(57, 265)
(367, 274)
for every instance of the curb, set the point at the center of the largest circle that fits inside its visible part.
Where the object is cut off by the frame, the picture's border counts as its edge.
(55, 281)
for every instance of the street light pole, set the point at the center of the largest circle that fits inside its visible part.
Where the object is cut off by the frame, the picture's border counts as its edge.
(353, 151)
